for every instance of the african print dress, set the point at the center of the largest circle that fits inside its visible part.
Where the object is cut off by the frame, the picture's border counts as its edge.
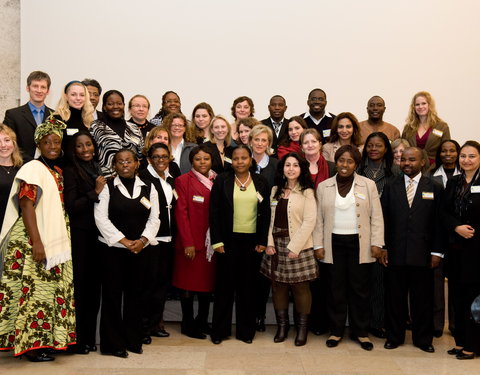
(36, 305)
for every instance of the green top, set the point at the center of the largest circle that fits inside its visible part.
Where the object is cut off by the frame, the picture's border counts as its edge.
(245, 209)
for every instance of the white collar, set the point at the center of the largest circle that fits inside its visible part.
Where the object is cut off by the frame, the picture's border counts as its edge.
(416, 179)
(154, 173)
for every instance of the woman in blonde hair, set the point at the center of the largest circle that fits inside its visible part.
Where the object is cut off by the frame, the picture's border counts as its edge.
(424, 129)
(220, 144)
(10, 163)
(75, 110)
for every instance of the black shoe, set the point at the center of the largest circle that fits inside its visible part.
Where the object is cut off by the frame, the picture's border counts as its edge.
(216, 341)
(438, 333)
(462, 355)
(260, 325)
(204, 327)
(159, 333)
(79, 349)
(117, 353)
(390, 345)
(194, 334)
(428, 348)
(454, 351)
(331, 343)
(147, 340)
(378, 332)
(135, 350)
(92, 348)
(247, 341)
(365, 345)
(38, 356)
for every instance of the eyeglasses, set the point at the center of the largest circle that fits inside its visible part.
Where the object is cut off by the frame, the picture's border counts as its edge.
(159, 157)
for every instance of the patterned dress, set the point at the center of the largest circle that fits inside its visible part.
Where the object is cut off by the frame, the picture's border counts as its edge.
(36, 305)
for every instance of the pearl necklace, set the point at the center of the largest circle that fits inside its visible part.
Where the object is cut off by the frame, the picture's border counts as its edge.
(242, 184)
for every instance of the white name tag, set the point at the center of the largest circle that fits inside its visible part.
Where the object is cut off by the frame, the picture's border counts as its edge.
(146, 203)
(326, 133)
(175, 194)
(427, 195)
(361, 196)
(259, 197)
(475, 189)
(227, 160)
(198, 198)
(437, 132)
(72, 131)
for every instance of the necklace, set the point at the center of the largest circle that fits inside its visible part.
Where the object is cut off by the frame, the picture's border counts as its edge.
(7, 169)
(242, 184)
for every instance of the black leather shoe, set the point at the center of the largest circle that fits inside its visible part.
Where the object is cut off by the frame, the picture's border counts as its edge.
(462, 355)
(117, 353)
(390, 345)
(454, 351)
(81, 349)
(260, 325)
(428, 348)
(147, 340)
(331, 343)
(92, 348)
(159, 333)
(247, 341)
(38, 356)
(135, 350)
(365, 345)
(216, 341)
(378, 332)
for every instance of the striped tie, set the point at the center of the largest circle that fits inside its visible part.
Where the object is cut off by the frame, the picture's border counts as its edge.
(410, 192)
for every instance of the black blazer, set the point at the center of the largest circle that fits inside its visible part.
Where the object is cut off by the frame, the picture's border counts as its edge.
(221, 209)
(463, 261)
(80, 197)
(283, 129)
(217, 165)
(21, 120)
(167, 227)
(412, 233)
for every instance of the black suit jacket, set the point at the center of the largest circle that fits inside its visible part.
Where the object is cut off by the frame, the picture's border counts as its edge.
(21, 120)
(221, 209)
(283, 129)
(217, 165)
(412, 233)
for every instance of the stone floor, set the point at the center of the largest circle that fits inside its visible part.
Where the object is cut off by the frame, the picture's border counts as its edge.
(181, 355)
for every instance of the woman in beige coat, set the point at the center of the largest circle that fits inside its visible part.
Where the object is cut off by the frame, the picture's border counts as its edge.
(289, 260)
(348, 237)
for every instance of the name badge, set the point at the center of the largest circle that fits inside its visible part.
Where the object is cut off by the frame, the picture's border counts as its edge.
(437, 132)
(146, 203)
(175, 194)
(72, 131)
(475, 189)
(326, 133)
(274, 203)
(198, 198)
(427, 195)
(259, 197)
(227, 160)
(361, 196)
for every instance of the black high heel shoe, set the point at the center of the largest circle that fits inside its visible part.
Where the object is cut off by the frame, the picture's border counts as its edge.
(38, 356)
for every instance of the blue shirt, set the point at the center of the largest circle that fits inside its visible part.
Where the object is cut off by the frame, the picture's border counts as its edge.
(37, 112)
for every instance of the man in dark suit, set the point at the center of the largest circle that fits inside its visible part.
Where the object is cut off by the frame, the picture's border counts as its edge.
(413, 239)
(24, 119)
(317, 117)
(94, 91)
(277, 121)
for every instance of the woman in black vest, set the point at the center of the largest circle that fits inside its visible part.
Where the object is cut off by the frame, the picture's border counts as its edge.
(159, 258)
(83, 183)
(127, 218)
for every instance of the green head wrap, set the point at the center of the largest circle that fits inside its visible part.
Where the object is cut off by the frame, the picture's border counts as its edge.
(50, 126)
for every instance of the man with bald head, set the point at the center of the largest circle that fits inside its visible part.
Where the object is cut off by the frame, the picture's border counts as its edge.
(414, 246)
(376, 109)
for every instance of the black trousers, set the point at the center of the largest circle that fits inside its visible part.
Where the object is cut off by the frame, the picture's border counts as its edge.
(156, 280)
(236, 274)
(87, 283)
(318, 319)
(349, 287)
(121, 279)
(406, 283)
(467, 333)
(438, 298)
(377, 297)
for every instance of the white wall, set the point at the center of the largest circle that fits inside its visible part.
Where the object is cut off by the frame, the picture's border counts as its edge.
(216, 50)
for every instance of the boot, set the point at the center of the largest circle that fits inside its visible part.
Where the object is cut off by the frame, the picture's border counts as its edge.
(302, 330)
(189, 328)
(283, 325)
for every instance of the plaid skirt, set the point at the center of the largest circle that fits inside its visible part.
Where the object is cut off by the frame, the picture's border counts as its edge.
(281, 268)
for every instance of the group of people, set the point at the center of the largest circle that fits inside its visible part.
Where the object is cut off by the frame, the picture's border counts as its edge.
(354, 220)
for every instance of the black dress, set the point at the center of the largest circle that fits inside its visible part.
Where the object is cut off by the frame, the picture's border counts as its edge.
(7, 175)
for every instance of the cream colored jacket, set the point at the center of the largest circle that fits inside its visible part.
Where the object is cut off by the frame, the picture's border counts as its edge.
(302, 214)
(369, 217)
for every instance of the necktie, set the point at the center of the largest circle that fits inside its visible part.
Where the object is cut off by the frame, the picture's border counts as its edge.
(410, 193)
(38, 116)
